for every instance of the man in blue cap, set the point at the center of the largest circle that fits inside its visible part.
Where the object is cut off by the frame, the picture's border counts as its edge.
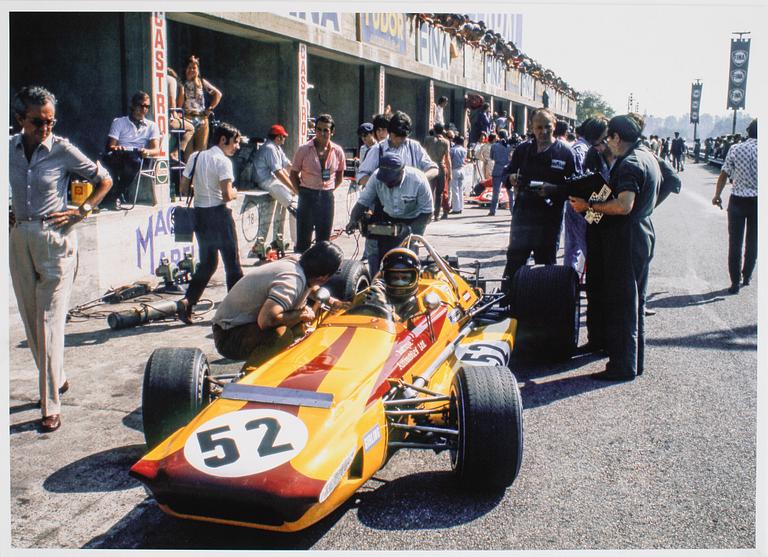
(405, 196)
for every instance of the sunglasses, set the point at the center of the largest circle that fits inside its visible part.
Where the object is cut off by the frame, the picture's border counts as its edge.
(143, 105)
(38, 123)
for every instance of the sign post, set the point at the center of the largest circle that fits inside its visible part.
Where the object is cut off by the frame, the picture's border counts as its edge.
(737, 74)
(695, 106)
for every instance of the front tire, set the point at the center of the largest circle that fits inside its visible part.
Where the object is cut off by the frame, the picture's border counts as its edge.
(175, 390)
(487, 409)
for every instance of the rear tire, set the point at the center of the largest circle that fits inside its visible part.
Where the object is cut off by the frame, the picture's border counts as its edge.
(175, 391)
(487, 409)
(547, 306)
(351, 278)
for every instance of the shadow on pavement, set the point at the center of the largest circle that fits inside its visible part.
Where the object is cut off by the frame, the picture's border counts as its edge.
(686, 300)
(422, 501)
(731, 339)
(134, 420)
(147, 527)
(24, 407)
(23, 427)
(99, 472)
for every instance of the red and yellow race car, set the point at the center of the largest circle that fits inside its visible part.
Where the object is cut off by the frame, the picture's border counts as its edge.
(281, 445)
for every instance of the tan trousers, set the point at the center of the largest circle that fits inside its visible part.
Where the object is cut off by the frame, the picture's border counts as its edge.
(278, 212)
(43, 262)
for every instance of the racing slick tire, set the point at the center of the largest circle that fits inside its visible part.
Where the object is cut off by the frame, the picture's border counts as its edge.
(487, 409)
(175, 390)
(546, 303)
(351, 278)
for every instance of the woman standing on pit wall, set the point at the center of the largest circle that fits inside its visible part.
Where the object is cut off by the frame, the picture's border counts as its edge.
(192, 100)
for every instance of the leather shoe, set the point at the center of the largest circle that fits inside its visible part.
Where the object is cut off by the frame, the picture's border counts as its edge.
(445, 216)
(649, 312)
(50, 423)
(606, 375)
(184, 311)
(746, 281)
(590, 348)
(734, 288)
(64, 388)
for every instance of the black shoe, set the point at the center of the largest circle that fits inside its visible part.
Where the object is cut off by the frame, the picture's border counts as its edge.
(649, 312)
(491, 214)
(590, 348)
(746, 281)
(444, 217)
(734, 288)
(606, 375)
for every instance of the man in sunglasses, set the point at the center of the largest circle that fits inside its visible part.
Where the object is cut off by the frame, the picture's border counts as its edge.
(43, 240)
(405, 197)
(130, 139)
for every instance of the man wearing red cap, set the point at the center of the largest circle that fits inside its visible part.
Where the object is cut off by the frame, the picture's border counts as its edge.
(270, 170)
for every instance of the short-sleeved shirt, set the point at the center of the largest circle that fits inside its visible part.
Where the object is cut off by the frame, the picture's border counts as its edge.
(458, 156)
(436, 148)
(499, 154)
(501, 123)
(39, 186)
(741, 165)
(269, 159)
(552, 165)
(410, 151)
(638, 172)
(194, 98)
(282, 281)
(212, 167)
(413, 197)
(133, 135)
(307, 164)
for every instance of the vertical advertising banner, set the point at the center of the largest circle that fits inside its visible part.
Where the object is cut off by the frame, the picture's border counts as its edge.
(737, 74)
(303, 112)
(382, 88)
(695, 102)
(159, 50)
(431, 108)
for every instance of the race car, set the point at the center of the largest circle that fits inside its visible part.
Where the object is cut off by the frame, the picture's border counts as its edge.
(280, 445)
(482, 193)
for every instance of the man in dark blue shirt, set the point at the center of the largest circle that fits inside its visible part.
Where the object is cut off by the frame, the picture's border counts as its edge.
(537, 171)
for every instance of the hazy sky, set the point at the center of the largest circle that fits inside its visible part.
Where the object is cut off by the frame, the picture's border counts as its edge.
(653, 50)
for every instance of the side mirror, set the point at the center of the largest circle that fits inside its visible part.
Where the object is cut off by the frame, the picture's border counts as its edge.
(431, 301)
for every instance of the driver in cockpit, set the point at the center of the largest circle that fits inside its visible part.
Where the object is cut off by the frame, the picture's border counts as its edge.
(394, 289)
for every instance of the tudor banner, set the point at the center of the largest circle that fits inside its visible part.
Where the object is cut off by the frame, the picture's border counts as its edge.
(695, 102)
(737, 74)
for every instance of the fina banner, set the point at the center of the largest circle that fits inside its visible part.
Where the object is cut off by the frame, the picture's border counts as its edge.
(737, 74)
(695, 102)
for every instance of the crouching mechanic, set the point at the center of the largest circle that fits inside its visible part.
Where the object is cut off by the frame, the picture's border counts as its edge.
(258, 317)
(405, 196)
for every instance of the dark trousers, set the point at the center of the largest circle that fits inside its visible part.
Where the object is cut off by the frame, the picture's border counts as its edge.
(123, 166)
(742, 214)
(417, 225)
(250, 342)
(617, 281)
(440, 192)
(677, 160)
(215, 232)
(314, 213)
(533, 230)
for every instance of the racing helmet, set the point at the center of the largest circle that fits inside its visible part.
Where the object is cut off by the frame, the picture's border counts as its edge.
(400, 269)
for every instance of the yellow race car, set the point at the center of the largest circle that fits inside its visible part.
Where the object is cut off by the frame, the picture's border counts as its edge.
(281, 445)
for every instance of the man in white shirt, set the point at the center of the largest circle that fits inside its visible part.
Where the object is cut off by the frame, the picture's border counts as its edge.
(210, 175)
(130, 139)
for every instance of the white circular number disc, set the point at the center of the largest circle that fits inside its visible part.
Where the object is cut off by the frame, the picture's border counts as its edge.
(246, 442)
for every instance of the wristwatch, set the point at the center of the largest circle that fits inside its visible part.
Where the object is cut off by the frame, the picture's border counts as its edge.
(85, 209)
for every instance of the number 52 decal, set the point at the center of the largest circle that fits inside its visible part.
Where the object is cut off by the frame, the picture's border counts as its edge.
(245, 442)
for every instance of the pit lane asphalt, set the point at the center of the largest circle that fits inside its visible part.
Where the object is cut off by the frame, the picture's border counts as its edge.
(666, 461)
